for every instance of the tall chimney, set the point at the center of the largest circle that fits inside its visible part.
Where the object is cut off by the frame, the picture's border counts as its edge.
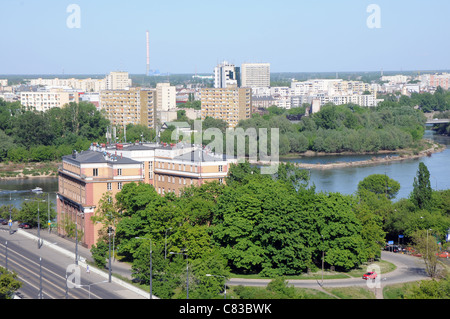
(148, 55)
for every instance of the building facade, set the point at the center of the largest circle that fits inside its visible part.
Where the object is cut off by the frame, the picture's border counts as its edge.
(230, 105)
(42, 101)
(255, 75)
(226, 75)
(133, 106)
(83, 179)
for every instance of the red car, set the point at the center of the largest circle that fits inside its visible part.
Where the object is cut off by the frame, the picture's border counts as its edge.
(370, 275)
(25, 225)
(443, 254)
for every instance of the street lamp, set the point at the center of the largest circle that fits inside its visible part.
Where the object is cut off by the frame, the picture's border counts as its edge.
(39, 244)
(110, 231)
(187, 270)
(224, 285)
(40, 296)
(151, 265)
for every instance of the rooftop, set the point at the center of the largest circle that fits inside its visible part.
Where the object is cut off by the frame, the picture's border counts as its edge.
(97, 157)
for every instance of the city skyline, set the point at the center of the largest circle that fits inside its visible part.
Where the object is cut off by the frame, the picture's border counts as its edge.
(81, 37)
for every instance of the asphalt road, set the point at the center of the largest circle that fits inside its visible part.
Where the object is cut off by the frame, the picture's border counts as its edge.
(31, 264)
(408, 269)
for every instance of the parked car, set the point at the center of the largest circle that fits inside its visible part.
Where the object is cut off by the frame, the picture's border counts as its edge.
(5, 222)
(25, 225)
(443, 254)
(370, 275)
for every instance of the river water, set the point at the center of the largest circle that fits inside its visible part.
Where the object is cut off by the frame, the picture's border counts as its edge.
(343, 180)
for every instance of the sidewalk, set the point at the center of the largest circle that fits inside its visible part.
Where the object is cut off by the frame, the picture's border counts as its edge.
(119, 268)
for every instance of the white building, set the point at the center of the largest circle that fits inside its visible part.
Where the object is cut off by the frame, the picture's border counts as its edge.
(3, 82)
(166, 96)
(42, 101)
(255, 75)
(118, 81)
(226, 75)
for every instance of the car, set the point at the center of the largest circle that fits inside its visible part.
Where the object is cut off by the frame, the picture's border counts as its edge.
(25, 225)
(370, 275)
(443, 254)
(5, 222)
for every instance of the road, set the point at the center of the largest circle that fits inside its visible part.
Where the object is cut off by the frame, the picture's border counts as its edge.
(408, 269)
(31, 264)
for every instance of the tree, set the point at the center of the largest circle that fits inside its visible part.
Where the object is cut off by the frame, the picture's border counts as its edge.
(425, 243)
(8, 283)
(380, 184)
(422, 192)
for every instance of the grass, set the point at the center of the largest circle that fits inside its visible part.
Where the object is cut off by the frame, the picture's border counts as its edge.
(351, 293)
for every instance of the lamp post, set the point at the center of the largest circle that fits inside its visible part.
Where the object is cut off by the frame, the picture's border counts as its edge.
(110, 231)
(39, 243)
(187, 271)
(6, 255)
(151, 266)
(224, 285)
(40, 296)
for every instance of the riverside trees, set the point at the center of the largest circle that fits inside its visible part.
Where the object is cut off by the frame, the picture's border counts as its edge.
(27, 136)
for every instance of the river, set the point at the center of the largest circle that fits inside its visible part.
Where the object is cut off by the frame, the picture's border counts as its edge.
(343, 180)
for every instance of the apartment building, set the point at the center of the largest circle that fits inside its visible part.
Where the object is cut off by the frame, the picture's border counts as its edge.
(255, 75)
(42, 101)
(132, 106)
(118, 80)
(230, 104)
(83, 179)
(113, 81)
(85, 85)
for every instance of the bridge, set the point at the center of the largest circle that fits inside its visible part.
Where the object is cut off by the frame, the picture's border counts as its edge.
(437, 121)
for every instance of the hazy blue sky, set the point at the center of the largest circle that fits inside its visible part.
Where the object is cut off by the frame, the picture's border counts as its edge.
(194, 35)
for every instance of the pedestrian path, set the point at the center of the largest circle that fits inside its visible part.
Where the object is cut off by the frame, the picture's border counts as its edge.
(120, 268)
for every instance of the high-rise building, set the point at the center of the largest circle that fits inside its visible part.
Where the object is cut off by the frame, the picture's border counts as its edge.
(230, 104)
(133, 106)
(166, 96)
(254, 75)
(118, 81)
(226, 75)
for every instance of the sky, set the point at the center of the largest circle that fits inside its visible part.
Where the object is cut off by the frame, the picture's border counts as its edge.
(49, 37)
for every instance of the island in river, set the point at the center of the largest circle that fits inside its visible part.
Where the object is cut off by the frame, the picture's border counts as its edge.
(49, 169)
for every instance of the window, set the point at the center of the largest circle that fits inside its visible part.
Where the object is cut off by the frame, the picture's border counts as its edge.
(119, 185)
(109, 186)
(150, 170)
(221, 180)
(220, 168)
(119, 172)
(95, 172)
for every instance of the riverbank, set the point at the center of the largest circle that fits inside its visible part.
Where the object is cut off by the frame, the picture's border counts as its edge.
(403, 155)
(12, 170)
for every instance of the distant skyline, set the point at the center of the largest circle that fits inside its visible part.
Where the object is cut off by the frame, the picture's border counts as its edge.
(50, 37)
